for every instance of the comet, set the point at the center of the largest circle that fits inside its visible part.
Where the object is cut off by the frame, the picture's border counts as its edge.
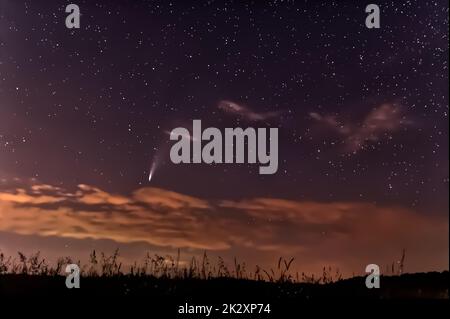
(152, 170)
(158, 158)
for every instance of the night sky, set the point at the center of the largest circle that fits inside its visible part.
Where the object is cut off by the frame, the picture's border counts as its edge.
(362, 117)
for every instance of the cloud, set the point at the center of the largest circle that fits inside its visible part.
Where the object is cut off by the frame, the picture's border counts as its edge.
(384, 119)
(92, 196)
(169, 199)
(245, 112)
(21, 196)
(348, 235)
(152, 215)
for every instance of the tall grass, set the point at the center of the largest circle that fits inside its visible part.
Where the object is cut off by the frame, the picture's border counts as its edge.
(158, 266)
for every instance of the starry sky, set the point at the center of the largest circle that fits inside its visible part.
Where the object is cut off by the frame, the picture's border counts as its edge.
(362, 117)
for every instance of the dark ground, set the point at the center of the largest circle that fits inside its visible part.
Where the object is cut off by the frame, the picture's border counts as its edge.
(414, 294)
(421, 285)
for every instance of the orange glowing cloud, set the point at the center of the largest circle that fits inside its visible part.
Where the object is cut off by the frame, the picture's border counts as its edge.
(341, 234)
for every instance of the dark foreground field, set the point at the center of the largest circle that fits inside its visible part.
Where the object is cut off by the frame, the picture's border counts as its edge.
(421, 285)
(161, 277)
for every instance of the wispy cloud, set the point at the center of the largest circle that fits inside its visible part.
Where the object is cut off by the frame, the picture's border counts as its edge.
(343, 234)
(384, 119)
(245, 112)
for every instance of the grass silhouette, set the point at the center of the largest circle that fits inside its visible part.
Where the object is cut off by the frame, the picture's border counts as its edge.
(200, 277)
